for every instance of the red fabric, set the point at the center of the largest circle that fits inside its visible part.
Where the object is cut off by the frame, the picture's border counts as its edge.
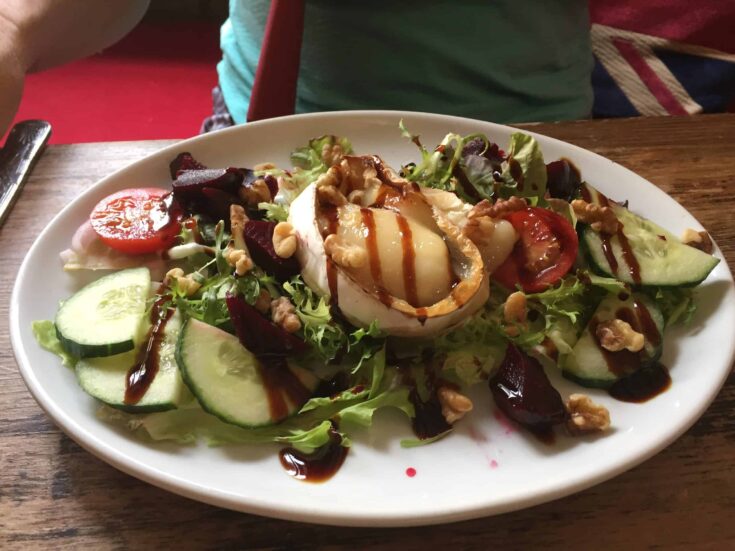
(274, 89)
(155, 83)
(709, 23)
(649, 77)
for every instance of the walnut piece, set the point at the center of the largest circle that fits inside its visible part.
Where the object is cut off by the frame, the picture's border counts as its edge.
(615, 335)
(332, 153)
(600, 219)
(347, 256)
(330, 195)
(514, 309)
(479, 230)
(284, 315)
(454, 404)
(255, 193)
(284, 240)
(238, 219)
(263, 302)
(698, 239)
(356, 196)
(497, 209)
(238, 259)
(260, 167)
(184, 283)
(585, 416)
(515, 314)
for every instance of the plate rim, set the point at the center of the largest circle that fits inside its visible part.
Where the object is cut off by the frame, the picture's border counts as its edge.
(213, 496)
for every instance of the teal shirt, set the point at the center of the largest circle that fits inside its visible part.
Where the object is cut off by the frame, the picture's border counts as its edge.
(496, 60)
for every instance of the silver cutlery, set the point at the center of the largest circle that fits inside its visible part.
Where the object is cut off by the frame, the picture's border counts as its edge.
(22, 149)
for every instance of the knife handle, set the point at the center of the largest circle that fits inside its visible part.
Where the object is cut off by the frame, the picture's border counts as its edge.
(21, 151)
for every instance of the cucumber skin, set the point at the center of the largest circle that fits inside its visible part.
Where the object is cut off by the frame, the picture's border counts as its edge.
(82, 350)
(93, 351)
(588, 383)
(196, 392)
(142, 409)
(586, 235)
(194, 389)
(600, 270)
(652, 358)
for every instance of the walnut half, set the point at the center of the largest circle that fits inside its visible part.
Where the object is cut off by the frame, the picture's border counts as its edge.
(284, 315)
(344, 254)
(454, 404)
(600, 219)
(497, 209)
(585, 416)
(284, 240)
(615, 335)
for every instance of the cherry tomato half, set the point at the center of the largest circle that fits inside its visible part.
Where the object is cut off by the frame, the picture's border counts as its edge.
(545, 252)
(137, 221)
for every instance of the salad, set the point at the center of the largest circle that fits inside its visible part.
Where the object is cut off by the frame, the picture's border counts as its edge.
(289, 304)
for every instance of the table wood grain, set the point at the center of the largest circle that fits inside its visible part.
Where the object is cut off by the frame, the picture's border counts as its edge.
(55, 495)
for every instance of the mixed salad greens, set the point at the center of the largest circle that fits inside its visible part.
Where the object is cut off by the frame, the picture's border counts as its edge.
(213, 322)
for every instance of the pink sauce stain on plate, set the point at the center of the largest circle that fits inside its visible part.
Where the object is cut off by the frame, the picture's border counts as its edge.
(504, 421)
(410, 472)
(493, 464)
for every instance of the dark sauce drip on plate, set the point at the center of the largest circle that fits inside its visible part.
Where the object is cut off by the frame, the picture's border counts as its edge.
(429, 421)
(646, 383)
(319, 465)
(637, 382)
(140, 377)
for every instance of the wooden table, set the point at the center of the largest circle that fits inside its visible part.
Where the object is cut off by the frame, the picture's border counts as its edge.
(55, 495)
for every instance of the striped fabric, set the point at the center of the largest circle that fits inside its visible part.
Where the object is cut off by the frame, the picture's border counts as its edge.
(663, 57)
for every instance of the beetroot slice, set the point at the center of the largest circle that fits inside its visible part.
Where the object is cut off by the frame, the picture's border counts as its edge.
(524, 393)
(216, 204)
(259, 335)
(184, 161)
(189, 183)
(259, 239)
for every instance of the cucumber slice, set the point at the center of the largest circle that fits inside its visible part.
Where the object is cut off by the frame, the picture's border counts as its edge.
(232, 384)
(591, 366)
(661, 257)
(105, 317)
(104, 378)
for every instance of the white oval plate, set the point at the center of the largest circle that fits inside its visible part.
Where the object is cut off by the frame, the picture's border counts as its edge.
(484, 468)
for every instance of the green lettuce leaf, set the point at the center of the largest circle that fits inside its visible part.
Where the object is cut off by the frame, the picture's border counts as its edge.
(45, 333)
(275, 212)
(473, 349)
(525, 151)
(417, 442)
(326, 336)
(677, 304)
(362, 413)
(310, 163)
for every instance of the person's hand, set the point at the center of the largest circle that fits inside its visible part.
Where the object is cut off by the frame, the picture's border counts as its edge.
(12, 73)
(46, 33)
